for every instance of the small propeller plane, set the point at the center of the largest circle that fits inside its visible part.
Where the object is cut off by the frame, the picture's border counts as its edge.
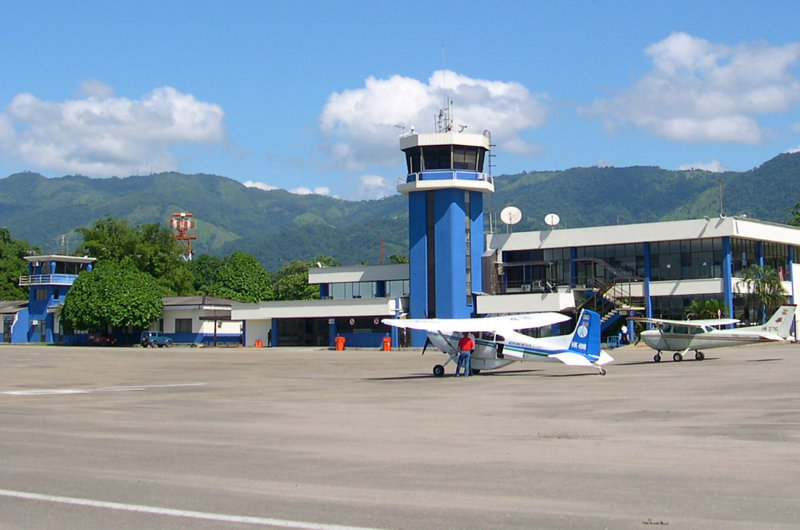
(680, 336)
(498, 342)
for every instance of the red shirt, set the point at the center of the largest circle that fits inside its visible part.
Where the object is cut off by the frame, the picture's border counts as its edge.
(466, 344)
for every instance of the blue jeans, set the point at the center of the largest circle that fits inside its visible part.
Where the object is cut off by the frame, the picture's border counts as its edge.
(464, 358)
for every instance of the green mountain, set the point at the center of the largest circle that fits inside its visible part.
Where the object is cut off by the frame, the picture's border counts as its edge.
(277, 226)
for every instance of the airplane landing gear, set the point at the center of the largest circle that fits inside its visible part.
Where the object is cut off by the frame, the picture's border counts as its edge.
(677, 357)
(602, 371)
(698, 355)
(657, 357)
(438, 370)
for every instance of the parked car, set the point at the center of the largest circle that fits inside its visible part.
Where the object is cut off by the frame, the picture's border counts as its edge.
(155, 338)
(100, 339)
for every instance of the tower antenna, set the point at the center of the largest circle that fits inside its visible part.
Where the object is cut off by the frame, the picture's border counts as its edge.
(444, 122)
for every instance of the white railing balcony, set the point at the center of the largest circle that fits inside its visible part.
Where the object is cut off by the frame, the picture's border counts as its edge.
(47, 279)
(446, 178)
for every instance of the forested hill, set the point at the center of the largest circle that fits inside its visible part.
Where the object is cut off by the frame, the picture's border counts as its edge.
(277, 226)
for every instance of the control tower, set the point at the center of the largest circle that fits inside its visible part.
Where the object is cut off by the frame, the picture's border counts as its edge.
(445, 186)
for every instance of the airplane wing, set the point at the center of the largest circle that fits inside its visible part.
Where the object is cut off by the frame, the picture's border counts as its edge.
(476, 325)
(689, 323)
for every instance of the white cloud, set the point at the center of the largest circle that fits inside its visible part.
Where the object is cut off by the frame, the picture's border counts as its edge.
(373, 187)
(700, 91)
(302, 190)
(259, 185)
(359, 125)
(715, 166)
(100, 134)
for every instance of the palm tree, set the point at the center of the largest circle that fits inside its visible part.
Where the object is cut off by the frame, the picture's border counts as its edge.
(703, 309)
(763, 288)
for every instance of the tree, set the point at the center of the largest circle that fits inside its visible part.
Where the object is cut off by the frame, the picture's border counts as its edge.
(13, 265)
(764, 288)
(151, 248)
(794, 220)
(707, 309)
(205, 271)
(396, 258)
(111, 295)
(291, 282)
(241, 277)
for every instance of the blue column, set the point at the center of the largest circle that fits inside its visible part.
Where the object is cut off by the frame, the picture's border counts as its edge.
(380, 289)
(275, 339)
(648, 303)
(727, 274)
(417, 253)
(324, 291)
(760, 253)
(331, 332)
(451, 271)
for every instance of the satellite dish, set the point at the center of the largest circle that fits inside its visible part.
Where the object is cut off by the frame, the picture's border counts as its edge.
(511, 215)
(552, 219)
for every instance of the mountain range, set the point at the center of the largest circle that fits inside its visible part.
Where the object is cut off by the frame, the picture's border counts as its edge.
(277, 226)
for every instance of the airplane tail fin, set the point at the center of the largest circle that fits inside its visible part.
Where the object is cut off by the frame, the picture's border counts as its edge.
(781, 321)
(585, 339)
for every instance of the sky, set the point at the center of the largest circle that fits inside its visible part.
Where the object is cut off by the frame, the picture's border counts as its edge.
(312, 96)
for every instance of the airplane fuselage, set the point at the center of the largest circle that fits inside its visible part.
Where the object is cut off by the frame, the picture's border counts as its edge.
(496, 351)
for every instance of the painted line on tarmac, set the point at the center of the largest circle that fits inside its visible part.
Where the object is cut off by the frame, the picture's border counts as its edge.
(279, 523)
(61, 391)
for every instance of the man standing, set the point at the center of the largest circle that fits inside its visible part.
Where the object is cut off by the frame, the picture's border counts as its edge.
(465, 347)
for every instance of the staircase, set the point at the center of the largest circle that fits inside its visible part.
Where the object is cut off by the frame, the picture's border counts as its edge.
(612, 297)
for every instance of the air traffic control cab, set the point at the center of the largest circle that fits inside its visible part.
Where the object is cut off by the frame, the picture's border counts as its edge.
(445, 186)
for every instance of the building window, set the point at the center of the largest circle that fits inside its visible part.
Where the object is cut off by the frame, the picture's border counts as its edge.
(183, 325)
(41, 294)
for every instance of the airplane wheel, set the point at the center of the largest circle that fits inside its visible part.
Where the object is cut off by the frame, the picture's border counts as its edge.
(677, 357)
(657, 358)
(602, 371)
(699, 356)
(438, 370)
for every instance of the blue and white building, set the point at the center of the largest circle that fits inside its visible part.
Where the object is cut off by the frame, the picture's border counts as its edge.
(48, 281)
(653, 269)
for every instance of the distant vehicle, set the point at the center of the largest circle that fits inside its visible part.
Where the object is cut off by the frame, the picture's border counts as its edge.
(101, 339)
(155, 338)
(498, 343)
(680, 336)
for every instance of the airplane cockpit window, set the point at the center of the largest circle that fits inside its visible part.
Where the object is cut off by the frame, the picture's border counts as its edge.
(696, 331)
(666, 328)
(487, 335)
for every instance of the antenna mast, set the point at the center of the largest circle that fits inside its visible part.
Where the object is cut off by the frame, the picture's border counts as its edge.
(444, 123)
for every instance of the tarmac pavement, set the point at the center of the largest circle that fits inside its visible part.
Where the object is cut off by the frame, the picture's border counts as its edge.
(98, 438)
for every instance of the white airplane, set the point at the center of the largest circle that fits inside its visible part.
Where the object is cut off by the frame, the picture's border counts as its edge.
(498, 343)
(680, 336)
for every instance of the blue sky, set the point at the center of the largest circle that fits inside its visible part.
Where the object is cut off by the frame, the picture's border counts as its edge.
(305, 96)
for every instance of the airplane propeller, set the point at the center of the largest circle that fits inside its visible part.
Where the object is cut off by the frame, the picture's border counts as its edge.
(427, 342)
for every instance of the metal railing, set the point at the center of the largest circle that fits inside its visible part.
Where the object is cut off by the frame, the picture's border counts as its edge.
(446, 174)
(47, 279)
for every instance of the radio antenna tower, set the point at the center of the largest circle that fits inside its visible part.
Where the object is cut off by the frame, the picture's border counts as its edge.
(181, 223)
(443, 121)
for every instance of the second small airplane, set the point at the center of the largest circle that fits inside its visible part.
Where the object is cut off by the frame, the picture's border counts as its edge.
(681, 336)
